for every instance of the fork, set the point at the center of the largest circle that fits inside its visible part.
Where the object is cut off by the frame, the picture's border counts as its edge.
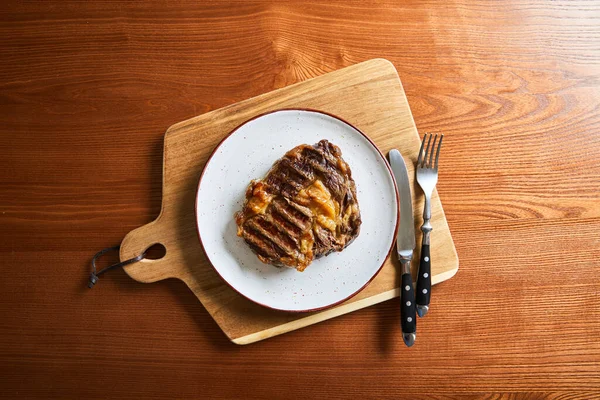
(427, 176)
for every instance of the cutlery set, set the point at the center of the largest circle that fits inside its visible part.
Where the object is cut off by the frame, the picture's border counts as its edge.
(427, 175)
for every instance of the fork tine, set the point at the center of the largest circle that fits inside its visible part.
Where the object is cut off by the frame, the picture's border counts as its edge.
(437, 154)
(426, 151)
(421, 151)
(430, 163)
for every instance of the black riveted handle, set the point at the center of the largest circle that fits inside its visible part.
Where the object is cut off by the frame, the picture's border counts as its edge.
(408, 312)
(424, 282)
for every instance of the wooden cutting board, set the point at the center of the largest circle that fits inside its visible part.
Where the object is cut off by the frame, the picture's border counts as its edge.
(369, 95)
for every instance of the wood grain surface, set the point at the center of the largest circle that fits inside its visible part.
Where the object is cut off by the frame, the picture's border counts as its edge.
(368, 95)
(87, 90)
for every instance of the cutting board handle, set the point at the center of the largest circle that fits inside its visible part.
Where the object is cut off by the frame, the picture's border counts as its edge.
(137, 242)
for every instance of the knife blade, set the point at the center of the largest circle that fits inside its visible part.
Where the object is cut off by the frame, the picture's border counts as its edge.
(405, 244)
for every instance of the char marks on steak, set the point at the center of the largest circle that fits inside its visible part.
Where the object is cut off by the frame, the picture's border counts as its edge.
(305, 208)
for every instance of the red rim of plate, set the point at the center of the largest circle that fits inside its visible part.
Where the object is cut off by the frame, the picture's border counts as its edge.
(378, 152)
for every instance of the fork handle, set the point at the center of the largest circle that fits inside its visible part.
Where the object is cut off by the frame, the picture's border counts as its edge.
(424, 281)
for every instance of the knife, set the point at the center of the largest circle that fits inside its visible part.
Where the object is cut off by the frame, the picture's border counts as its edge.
(405, 243)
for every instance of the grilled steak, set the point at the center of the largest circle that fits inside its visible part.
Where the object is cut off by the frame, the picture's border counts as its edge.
(305, 208)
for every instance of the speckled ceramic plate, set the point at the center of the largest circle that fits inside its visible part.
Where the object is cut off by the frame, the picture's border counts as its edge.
(248, 153)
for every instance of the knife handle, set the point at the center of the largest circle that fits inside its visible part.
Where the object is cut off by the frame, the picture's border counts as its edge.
(424, 281)
(407, 310)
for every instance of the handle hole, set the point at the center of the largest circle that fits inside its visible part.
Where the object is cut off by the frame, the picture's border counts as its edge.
(155, 252)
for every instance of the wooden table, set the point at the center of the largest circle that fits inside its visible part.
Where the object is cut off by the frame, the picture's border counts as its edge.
(88, 89)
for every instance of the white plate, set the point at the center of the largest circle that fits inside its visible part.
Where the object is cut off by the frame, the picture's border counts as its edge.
(248, 153)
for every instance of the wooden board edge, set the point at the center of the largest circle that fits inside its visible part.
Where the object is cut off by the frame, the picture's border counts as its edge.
(332, 313)
(125, 251)
(384, 63)
(146, 270)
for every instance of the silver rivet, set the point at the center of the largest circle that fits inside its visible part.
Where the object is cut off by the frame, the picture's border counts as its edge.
(407, 288)
(408, 303)
(424, 291)
(426, 259)
(409, 319)
(425, 275)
